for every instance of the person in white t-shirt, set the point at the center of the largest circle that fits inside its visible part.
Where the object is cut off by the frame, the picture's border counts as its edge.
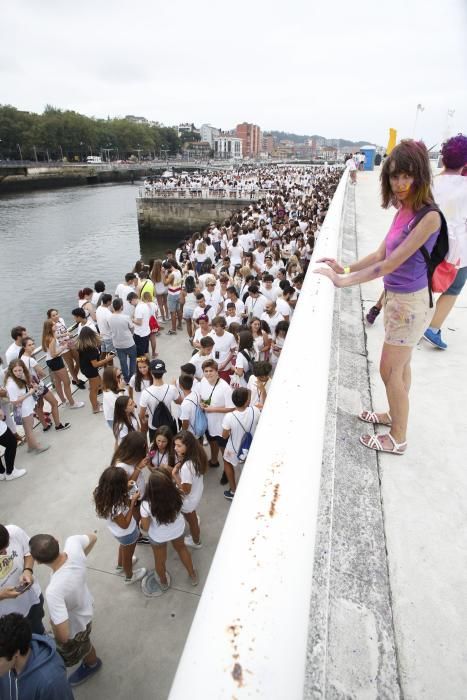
(271, 315)
(254, 304)
(124, 289)
(216, 399)
(243, 359)
(153, 395)
(141, 380)
(162, 518)
(352, 168)
(235, 426)
(258, 383)
(190, 466)
(103, 314)
(224, 346)
(12, 352)
(190, 404)
(69, 600)
(142, 331)
(17, 569)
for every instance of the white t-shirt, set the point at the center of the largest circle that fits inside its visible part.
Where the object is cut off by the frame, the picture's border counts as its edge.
(213, 299)
(450, 192)
(283, 307)
(255, 393)
(145, 383)
(270, 294)
(103, 313)
(235, 254)
(159, 532)
(67, 595)
(189, 476)
(151, 397)
(197, 360)
(239, 422)
(122, 291)
(12, 353)
(116, 529)
(140, 480)
(11, 568)
(188, 410)
(350, 164)
(241, 362)
(143, 312)
(198, 311)
(223, 346)
(272, 321)
(221, 396)
(108, 403)
(31, 363)
(255, 307)
(14, 392)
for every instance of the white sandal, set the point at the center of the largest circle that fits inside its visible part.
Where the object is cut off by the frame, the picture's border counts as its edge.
(373, 418)
(375, 444)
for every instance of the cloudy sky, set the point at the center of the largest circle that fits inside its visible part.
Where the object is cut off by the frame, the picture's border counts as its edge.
(339, 68)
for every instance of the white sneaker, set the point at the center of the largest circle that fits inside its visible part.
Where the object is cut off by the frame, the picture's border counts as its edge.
(77, 404)
(137, 576)
(190, 543)
(15, 474)
(119, 569)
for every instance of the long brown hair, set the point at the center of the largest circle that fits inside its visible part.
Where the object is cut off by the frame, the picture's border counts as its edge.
(164, 498)
(109, 380)
(156, 272)
(121, 417)
(111, 492)
(194, 452)
(410, 157)
(47, 334)
(132, 449)
(20, 383)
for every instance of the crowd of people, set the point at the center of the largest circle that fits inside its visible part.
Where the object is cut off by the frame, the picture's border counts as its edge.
(228, 293)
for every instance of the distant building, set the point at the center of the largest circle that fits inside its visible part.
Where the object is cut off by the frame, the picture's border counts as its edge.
(188, 130)
(268, 144)
(250, 134)
(209, 133)
(136, 120)
(226, 147)
(197, 149)
(328, 153)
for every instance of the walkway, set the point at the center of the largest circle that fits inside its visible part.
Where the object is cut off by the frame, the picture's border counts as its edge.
(423, 493)
(139, 639)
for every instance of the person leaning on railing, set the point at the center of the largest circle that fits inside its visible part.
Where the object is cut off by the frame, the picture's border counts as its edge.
(405, 183)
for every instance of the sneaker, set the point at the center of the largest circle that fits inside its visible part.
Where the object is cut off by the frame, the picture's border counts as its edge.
(189, 541)
(15, 474)
(83, 672)
(44, 430)
(171, 332)
(77, 404)
(80, 384)
(137, 576)
(142, 539)
(229, 495)
(372, 315)
(434, 337)
(119, 569)
(62, 426)
(224, 479)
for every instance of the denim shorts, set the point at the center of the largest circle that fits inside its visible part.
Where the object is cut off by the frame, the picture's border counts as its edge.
(126, 540)
(173, 302)
(457, 286)
(107, 345)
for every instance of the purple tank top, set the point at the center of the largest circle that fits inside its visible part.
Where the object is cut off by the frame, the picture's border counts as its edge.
(411, 276)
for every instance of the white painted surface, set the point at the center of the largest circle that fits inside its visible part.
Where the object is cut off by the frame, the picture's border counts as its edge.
(249, 635)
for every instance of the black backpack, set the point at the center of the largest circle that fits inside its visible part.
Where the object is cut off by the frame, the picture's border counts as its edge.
(247, 372)
(162, 415)
(440, 249)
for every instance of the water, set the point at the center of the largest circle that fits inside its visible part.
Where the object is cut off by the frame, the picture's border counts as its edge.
(54, 243)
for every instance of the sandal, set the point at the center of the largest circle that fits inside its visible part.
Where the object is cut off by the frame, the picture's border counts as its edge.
(370, 417)
(398, 448)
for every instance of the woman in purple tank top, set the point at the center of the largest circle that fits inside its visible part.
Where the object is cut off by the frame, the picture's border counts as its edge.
(406, 184)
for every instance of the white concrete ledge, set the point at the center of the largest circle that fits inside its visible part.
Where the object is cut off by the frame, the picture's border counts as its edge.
(249, 636)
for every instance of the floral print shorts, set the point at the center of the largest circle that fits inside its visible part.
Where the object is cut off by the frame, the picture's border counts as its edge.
(406, 317)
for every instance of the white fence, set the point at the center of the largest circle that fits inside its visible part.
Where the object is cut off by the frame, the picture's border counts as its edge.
(248, 638)
(205, 193)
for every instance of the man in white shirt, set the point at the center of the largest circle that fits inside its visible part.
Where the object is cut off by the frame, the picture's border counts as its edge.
(69, 600)
(190, 403)
(158, 392)
(271, 315)
(124, 289)
(232, 296)
(216, 399)
(103, 314)
(267, 287)
(17, 335)
(204, 353)
(224, 346)
(79, 315)
(254, 304)
(141, 316)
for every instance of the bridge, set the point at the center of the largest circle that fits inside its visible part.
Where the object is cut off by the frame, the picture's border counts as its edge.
(335, 572)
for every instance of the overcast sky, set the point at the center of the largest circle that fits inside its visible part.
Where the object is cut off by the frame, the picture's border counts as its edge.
(339, 68)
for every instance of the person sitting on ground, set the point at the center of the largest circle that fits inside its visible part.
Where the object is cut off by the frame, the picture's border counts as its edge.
(235, 426)
(69, 600)
(29, 663)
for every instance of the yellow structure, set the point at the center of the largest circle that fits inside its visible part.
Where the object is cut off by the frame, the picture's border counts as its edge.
(392, 140)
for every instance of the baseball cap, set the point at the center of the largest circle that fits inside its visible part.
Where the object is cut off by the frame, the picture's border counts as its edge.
(157, 367)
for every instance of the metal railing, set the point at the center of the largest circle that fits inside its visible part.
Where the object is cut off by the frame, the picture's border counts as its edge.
(249, 635)
(205, 193)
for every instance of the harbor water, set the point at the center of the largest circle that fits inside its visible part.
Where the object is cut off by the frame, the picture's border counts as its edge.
(54, 243)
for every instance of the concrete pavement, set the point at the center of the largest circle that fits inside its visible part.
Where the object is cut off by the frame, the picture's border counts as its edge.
(423, 492)
(138, 639)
